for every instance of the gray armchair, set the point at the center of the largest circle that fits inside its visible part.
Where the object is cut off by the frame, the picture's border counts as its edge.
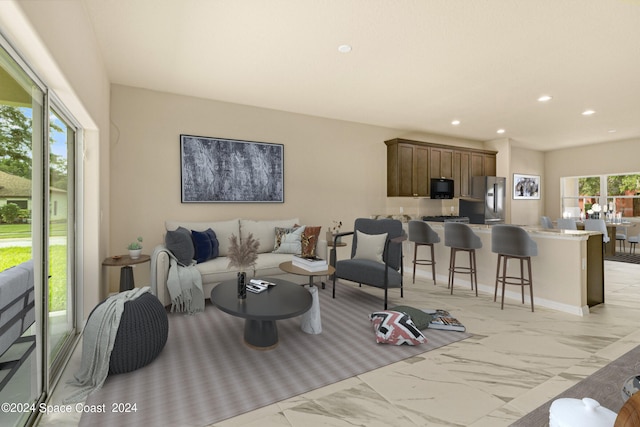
(376, 259)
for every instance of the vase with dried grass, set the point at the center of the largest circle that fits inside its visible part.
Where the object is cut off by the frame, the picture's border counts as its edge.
(243, 254)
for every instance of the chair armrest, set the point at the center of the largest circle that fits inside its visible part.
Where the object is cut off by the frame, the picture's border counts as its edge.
(337, 236)
(335, 243)
(399, 239)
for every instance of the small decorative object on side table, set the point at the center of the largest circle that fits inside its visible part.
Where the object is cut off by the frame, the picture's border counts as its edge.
(135, 248)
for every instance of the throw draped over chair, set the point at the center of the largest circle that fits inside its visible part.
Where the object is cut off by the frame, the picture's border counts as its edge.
(421, 234)
(512, 242)
(460, 237)
(376, 255)
(598, 225)
(567, 224)
(546, 223)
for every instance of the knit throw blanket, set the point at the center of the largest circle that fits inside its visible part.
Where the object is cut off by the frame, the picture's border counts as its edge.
(97, 343)
(184, 284)
(185, 288)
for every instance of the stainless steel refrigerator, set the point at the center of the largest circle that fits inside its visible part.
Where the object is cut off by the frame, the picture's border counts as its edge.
(487, 202)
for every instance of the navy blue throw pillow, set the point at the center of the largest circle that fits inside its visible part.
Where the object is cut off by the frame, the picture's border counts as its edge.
(205, 244)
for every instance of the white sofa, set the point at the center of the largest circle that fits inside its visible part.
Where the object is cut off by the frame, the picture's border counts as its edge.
(216, 270)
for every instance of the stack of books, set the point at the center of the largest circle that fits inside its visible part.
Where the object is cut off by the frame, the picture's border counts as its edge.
(310, 264)
(442, 319)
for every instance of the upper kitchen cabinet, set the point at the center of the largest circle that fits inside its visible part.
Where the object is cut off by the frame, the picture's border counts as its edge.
(407, 169)
(483, 164)
(412, 164)
(441, 162)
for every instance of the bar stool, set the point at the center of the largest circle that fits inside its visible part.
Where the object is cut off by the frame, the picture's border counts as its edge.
(422, 235)
(460, 237)
(509, 241)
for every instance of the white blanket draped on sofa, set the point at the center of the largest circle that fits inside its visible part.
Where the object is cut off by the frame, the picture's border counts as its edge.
(184, 284)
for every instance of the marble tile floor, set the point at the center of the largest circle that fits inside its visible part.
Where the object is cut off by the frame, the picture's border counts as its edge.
(515, 361)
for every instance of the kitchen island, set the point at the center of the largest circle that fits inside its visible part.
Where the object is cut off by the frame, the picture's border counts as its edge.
(568, 273)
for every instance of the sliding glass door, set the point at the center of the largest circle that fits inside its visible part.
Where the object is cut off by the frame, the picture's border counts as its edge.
(37, 239)
(21, 124)
(61, 325)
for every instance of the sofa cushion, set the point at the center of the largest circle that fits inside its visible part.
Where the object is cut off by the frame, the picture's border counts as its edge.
(205, 244)
(288, 240)
(179, 242)
(393, 327)
(223, 230)
(264, 231)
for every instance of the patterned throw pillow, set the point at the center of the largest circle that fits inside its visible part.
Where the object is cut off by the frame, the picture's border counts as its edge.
(393, 327)
(288, 240)
(418, 317)
(309, 240)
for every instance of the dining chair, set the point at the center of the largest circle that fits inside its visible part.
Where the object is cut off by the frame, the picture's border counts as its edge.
(598, 225)
(546, 223)
(567, 224)
(621, 238)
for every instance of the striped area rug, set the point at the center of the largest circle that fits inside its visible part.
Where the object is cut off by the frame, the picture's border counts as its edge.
(206, 373)
(624, 257)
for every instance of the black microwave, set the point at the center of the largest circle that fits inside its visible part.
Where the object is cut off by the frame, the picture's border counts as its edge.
(441, 188)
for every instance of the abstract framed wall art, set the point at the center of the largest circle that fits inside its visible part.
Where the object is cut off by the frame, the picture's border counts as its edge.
(229, 170)
(526, 186)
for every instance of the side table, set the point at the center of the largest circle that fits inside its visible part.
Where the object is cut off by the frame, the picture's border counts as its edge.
(310, 321)
(126, 271)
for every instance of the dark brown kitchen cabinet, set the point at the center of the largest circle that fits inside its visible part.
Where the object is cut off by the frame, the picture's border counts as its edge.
(412, 164)
(407, 170)
(441, 163)
(461, 173)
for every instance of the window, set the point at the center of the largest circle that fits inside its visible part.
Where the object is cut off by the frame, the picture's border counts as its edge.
(613, 194)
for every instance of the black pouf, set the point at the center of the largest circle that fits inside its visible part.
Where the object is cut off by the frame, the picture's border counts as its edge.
(141, 336)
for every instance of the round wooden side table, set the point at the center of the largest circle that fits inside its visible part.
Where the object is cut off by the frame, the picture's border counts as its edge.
(126, 271)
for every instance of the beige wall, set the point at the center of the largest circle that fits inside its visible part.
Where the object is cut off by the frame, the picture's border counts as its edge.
(596, 159)
(527, 162)
(334, 170)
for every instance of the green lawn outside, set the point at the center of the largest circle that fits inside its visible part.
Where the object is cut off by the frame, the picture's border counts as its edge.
(14, 255)
(23, 231)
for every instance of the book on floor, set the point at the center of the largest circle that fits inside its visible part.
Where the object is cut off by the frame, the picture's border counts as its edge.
(256, 285)
(442, 319)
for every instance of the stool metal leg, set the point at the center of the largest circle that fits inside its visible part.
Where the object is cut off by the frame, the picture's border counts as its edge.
(475, 272)
(452, 263)
(415, 258)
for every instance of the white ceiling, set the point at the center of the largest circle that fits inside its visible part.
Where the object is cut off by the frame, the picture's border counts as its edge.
(415, 65)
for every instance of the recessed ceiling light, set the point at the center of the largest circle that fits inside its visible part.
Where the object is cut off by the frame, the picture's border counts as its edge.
(455, 122)
(500, 131)
(588, 112)
(544, 98)
(344, 48)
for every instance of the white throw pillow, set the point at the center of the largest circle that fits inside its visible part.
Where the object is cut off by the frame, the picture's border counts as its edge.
(291, 243)
(370, 246)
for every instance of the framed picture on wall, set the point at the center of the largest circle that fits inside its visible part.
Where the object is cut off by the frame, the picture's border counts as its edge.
(526, 186)
(229, 170)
